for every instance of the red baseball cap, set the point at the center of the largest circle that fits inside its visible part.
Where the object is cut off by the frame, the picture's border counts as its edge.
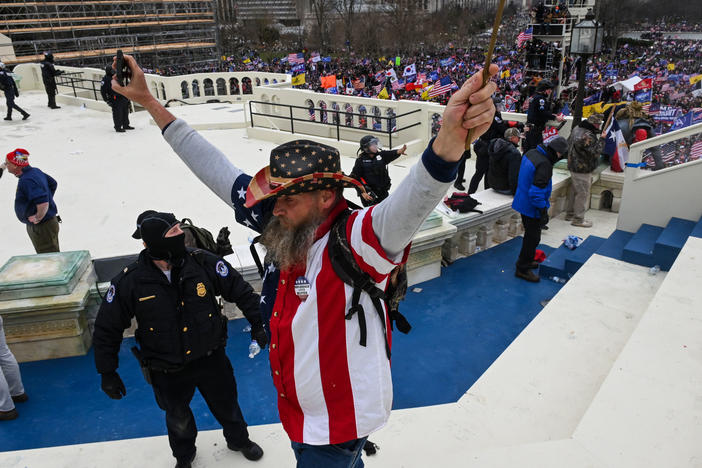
(18, 157)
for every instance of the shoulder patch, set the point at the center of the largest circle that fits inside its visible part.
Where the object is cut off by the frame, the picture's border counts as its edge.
(542, 102)
(110, 296)
(222, 269)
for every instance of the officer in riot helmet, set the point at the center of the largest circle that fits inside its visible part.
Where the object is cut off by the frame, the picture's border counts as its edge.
(371, 168)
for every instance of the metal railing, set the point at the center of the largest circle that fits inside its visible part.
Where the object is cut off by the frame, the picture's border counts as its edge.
(335, 116)
(75, 81)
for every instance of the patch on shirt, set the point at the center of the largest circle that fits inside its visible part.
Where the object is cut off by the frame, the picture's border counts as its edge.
(222, 269)
(110, 294)
(201, 290)
(302, 287)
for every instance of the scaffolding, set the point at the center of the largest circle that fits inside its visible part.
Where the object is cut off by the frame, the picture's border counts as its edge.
(84, 33)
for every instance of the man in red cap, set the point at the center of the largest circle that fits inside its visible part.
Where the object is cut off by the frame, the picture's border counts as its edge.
(34, 201)
(330, 361)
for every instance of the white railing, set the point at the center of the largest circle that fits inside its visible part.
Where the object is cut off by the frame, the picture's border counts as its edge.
(654, 197)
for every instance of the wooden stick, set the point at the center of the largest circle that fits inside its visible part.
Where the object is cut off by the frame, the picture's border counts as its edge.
(488, 59)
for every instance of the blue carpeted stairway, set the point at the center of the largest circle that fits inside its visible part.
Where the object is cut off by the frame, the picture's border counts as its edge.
(649, 246)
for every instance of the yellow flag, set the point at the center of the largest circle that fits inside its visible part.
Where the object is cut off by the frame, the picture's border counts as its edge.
(298, 80)
(247, 60)
(425, 94)
(671, 66)
(695, 78)
(383, 94)
(505, 74)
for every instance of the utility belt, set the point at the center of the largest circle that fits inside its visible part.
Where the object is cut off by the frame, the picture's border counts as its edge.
(149, 366)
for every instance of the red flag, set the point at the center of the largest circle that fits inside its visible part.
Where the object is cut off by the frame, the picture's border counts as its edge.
(644, 84)
(328, 81)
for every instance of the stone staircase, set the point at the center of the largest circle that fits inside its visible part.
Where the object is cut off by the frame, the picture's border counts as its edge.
(648, 246)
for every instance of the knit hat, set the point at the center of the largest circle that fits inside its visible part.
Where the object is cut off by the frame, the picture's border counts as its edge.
(296, 167)
(137, 233)
(18, 157)
(595, 119)
(559, 145)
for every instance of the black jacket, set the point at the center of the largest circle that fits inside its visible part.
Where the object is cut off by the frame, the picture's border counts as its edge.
(8, 85)
(497, 130)
(539, 111)
(49, 74)
(372, 169)
(505, 160)
(108, 94)
(178, 321)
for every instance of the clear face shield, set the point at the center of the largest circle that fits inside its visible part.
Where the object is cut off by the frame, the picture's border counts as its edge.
(375, 146)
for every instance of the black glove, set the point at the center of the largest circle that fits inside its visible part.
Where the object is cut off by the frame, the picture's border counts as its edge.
(544, 217)
(259, 334)
(224, 247)
(113, 386)
(16, 92)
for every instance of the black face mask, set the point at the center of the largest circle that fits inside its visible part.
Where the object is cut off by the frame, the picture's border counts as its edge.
(168, 248)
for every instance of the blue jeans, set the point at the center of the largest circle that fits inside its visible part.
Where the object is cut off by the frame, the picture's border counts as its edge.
(345, 455)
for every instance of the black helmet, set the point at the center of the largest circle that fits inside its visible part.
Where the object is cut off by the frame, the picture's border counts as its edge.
(368, 141)
(109, 70)
(544, 85)
(49, 56)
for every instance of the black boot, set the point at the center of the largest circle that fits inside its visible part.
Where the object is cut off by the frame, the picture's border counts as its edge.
(25, 116)
(8, 118)
(185, 462)
(250, 450)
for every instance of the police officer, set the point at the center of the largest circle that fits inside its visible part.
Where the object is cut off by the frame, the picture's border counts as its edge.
(538, 114)
(371, 168)
(48, 76)
(118, 103)
(181, 333)
(7, 83)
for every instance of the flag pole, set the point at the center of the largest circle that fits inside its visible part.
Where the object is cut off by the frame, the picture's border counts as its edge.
(488, 58)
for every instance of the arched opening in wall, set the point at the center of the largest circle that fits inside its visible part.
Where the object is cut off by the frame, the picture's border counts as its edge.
(265, 81)
(348, 115)
(335, 113)
(258, 81)
(276, 109)
(221, 87)
(274, 81)
(362, 118)
(209, 87)
(265, 107)
(435, 124)
(377, 121)
(184, 90)
(196, 88)
(322, 111)
(606, 199)
(163, 92)
(310, 109)
(154, 90)
(246, 87)
(392, 121)
(234, 86)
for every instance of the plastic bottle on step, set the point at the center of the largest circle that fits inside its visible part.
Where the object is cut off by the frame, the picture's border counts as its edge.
(247, 329)
(254, 349)
(654, 270)
(556, 279)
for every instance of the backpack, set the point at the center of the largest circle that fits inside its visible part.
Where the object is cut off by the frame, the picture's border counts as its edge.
(462, 202)
(347, 269)
(203, 238)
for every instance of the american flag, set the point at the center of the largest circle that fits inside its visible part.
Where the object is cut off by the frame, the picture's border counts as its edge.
(296, 58)
(378, 88)
(668, 152)
(527, 35)
(440, 87)
(696, 151)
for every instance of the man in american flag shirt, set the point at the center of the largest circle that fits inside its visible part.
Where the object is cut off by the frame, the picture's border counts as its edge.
(332, 391)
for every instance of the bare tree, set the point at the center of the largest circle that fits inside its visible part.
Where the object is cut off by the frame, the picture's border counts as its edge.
(321, 10)
(347, 10)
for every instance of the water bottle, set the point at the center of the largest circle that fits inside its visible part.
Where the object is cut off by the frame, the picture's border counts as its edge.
(247, 329)
(254, 349)
(654, 270)
(556, 279)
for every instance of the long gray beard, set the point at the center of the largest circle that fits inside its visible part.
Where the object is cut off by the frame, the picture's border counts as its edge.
(287, 248)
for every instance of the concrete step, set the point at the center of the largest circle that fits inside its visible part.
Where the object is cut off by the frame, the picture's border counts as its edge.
(579, 256)
(647, 411)
(639, 249)
(614, 245)
(554, 265)
(697, 231)
(671, 241)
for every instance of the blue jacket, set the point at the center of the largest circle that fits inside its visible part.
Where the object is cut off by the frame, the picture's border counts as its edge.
(534, 186)
(33, 188)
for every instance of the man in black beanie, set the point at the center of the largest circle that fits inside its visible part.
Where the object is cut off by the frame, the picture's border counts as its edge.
(172, 291)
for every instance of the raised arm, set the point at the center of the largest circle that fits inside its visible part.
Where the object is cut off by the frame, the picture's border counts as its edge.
(206, 161)
(397, 218)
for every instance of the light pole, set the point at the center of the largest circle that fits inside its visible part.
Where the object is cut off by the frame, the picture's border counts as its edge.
(585, 40)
